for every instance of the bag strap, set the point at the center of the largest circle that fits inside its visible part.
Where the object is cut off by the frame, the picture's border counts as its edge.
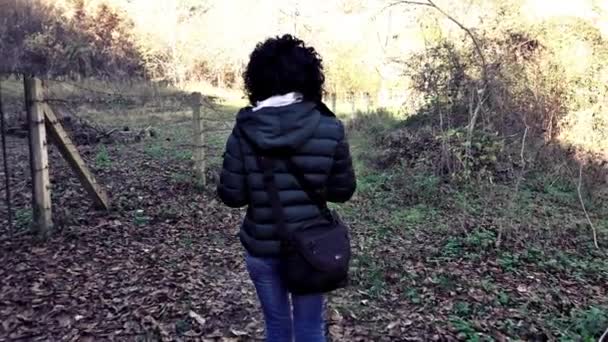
(273, 193)
(317, 197)
(267, 166)
(314, 195)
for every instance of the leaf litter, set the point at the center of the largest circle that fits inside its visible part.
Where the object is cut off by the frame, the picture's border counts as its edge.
(165, 264)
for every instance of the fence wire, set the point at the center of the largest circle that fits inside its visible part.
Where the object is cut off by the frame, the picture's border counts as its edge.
(94, 117)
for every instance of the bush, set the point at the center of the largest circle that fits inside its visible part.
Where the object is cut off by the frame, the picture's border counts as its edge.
(448, 155)
(376, 123)
(532, 82)
(38, 37)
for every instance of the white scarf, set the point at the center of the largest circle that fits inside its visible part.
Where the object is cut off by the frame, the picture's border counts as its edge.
(279, 101)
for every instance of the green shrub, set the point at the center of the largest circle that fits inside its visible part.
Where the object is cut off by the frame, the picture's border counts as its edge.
(586, 325)
(156, 151)
(102, 158)
(481, 239)
(466, 330)
(376, 123)
(509, 261)
(591, 323)
(23, 218)
(412, 217)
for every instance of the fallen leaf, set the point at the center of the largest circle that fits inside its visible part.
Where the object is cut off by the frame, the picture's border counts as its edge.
(392, 325)
(200, 320)
(238, 333)
(335, 316)
(64, 320)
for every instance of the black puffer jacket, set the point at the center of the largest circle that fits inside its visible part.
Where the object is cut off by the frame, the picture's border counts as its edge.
(319, 149)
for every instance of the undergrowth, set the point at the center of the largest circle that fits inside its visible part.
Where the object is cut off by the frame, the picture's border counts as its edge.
(432, 237)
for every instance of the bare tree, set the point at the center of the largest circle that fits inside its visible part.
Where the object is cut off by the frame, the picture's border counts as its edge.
(469, 32)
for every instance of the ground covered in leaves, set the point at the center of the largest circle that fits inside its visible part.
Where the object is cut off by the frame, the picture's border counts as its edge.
(165, 264)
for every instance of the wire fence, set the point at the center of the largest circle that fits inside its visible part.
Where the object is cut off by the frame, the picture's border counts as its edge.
(97, 115)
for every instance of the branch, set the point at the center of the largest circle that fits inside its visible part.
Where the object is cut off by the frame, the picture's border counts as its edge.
(580, 197)
(469, 32)
(416, 3)
(431, 3)
(473, 114)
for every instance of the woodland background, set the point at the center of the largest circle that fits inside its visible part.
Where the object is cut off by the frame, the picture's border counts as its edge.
(480, 136)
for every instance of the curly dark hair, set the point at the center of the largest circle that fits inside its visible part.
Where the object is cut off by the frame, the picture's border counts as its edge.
(281, 65)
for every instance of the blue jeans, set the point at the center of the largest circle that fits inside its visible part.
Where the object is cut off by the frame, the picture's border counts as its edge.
(307, 324)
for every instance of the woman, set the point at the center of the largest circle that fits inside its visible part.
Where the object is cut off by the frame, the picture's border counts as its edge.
(284, 82)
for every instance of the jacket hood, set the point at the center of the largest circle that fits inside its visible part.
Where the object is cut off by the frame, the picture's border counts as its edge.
(279, 128)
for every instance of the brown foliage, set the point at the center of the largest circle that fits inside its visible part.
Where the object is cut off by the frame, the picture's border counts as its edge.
(41, 38)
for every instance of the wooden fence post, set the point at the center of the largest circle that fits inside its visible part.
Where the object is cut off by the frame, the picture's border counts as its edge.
(334, 99)
(69, 152)
(367, 102)
(353, 101)
(198, 151)
(39, 160)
